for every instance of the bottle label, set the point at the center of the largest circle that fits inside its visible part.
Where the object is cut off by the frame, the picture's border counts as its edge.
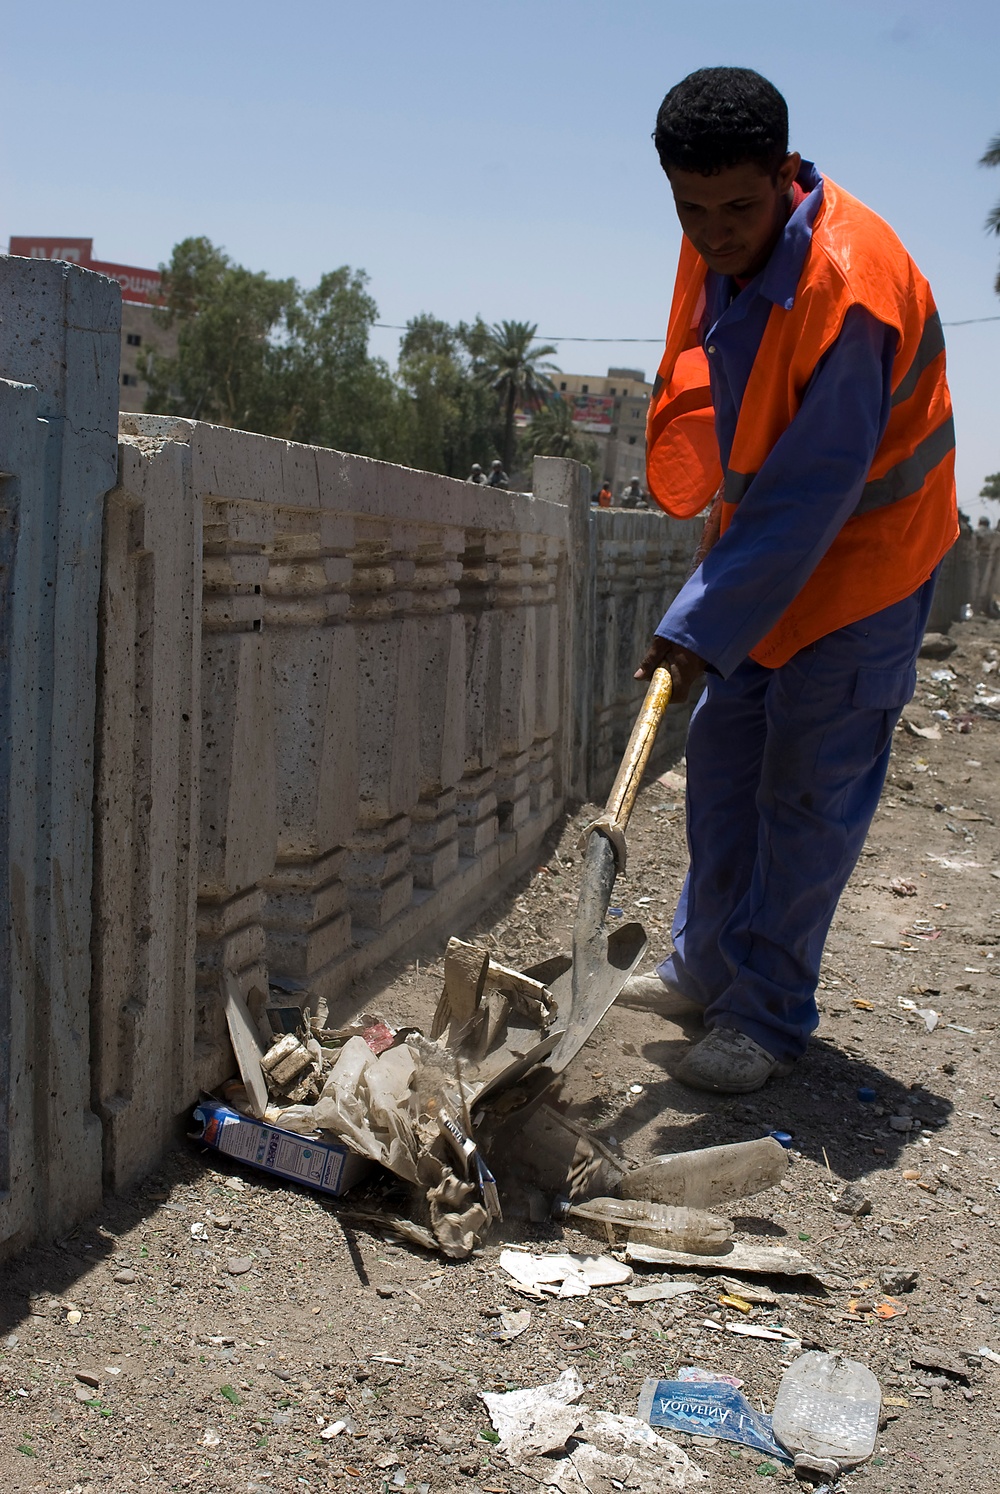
(711, 1409)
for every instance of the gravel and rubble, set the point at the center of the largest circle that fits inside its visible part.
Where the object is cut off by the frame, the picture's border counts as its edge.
(219, 1329)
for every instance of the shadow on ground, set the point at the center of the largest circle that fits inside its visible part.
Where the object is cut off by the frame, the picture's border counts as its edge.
(817, 1104)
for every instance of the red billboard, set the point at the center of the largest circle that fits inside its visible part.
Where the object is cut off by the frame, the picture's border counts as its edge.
(137, 285)
(75, 251)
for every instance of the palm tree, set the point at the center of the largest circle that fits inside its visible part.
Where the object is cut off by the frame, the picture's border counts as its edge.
(991, 157)
(516, 373)
(552, 433)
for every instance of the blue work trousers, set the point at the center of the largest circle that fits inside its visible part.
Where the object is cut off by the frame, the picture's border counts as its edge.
(784, 772)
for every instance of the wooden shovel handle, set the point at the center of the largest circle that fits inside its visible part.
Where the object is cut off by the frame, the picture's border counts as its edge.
(640, 744)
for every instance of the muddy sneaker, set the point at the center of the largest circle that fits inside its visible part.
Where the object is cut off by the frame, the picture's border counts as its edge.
(729, 1063)
(648, 993)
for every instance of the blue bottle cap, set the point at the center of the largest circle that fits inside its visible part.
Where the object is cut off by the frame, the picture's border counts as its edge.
(867, 1096)
(783, 1137)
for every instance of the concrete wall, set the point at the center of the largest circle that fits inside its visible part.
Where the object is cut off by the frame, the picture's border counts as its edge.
(341, 704)
(59, 342)
(969, 576)
(266, 707)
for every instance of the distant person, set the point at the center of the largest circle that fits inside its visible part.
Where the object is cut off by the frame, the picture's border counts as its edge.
(477, 474)
(632, 495)
(604, 496)
(498, 477)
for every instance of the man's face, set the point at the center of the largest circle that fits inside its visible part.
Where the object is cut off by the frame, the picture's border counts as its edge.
(734, 217)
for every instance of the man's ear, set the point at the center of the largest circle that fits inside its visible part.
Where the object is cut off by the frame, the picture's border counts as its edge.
(788, 171)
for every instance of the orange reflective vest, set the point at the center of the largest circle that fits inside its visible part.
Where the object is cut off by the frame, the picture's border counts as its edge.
(907, 517)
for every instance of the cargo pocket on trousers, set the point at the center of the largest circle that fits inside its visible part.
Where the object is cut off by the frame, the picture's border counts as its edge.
(885, 690)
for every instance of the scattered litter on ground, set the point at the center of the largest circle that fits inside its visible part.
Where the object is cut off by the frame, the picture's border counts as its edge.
(714, 1409)
(325, 1166)
(662, 1291)
(676, 1227)
(563, 1275)
(513, 1324)
(927, 1015)
(583, 1449)
(757, 1260)
(709, 1175)
(826, 1413)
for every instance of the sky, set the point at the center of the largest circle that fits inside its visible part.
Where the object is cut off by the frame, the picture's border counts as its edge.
(495, 159)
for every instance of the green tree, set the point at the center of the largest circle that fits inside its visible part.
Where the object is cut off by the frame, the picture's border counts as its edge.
(552, 433)
(266, 355)
(332, 392)
(454, 412)
(991, 157)
(430, 372)
(517, 373)
(991, 486)
(227, 319)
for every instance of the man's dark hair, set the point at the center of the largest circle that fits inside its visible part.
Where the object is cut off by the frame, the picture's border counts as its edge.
(720, 117)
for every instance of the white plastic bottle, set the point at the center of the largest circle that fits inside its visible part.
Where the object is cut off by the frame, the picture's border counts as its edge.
(827, 1412)
(710, 1175)
(691, 1230)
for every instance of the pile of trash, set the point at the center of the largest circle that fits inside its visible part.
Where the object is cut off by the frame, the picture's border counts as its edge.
(825, 1422)
(320, 1105)
(396, 1098)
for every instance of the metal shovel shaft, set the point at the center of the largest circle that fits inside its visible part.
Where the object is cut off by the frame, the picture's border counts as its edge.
(596, 980)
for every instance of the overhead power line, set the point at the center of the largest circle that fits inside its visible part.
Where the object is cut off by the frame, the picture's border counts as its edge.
(551, 337)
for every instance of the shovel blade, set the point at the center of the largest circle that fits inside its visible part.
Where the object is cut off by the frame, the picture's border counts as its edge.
(600, 969)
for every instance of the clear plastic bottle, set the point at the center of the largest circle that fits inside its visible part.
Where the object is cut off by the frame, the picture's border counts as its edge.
(710, 1175)
(692, 1230)
(826, 1413)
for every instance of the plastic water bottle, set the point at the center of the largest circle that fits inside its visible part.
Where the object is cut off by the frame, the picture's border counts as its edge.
(826, 1413)
(691, 1230)
(710, 1175)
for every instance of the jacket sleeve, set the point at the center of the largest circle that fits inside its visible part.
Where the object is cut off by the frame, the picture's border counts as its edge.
(796, 504)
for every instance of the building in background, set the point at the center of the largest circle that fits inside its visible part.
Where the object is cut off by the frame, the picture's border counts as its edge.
(140, 294)
(612, 411)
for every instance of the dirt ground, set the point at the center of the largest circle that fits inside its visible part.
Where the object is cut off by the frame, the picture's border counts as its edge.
(200, 1334)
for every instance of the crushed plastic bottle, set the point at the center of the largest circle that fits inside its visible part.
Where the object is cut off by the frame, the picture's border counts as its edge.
(710, 1175)
(692, 1230)
(826, 1413)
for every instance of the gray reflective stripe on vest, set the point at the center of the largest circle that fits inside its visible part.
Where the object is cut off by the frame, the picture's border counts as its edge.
(909, 475)
(930, 345)
(735, 485)
(901, 481)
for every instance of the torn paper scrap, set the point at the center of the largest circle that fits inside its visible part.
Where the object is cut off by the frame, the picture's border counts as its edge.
(564, 1275)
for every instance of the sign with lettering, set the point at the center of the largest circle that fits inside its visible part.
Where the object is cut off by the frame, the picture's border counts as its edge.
(137, 285)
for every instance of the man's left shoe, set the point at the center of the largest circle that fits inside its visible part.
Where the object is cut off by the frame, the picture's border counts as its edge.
(730, 1063)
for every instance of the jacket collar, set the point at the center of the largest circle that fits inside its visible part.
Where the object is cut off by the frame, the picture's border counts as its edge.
(779, 278)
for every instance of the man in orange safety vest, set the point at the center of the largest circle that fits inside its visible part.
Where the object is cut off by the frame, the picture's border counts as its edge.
(802, 394)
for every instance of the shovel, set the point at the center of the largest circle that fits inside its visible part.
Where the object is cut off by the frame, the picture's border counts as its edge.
(586, 986)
